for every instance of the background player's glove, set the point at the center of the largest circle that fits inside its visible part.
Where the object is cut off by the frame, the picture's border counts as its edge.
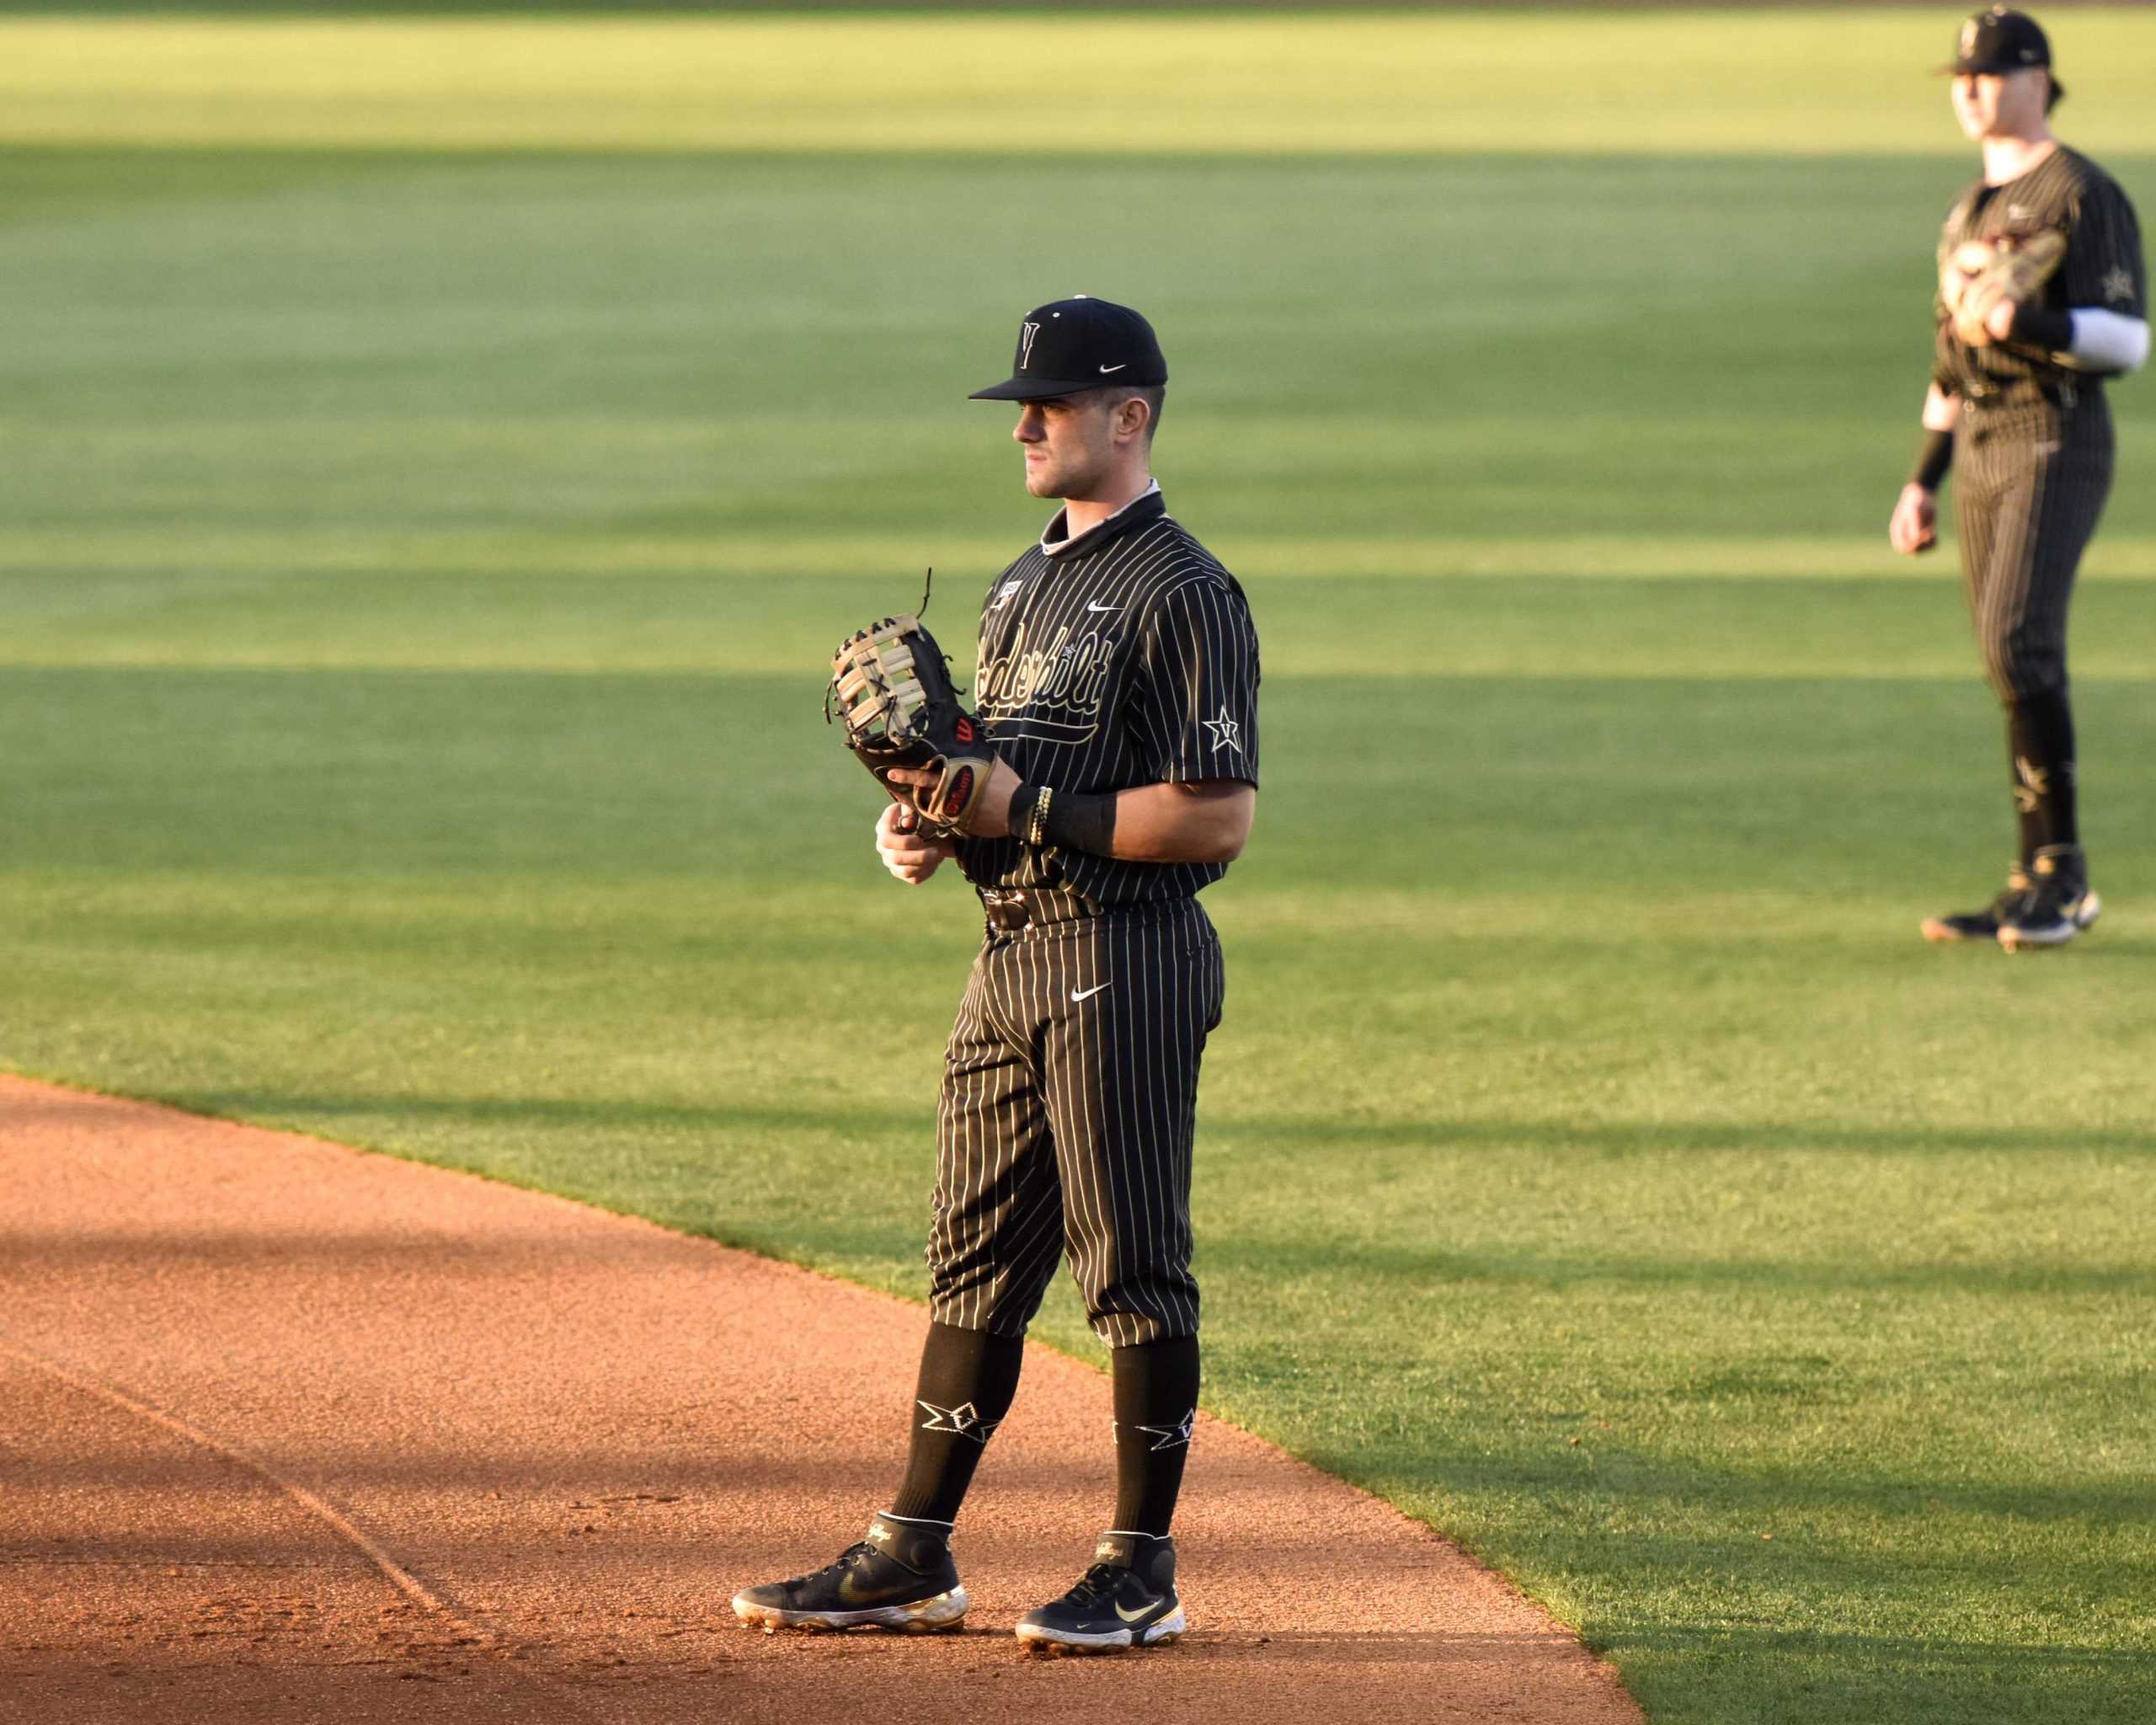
(891, 686)
(1978, 274)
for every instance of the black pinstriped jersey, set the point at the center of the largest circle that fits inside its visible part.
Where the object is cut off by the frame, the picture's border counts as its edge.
(2103, 266)
(1123, 657)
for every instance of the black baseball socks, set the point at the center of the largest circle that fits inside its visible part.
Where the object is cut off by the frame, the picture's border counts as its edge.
(1155, 1406)
(2040, 737)
(967, 1379)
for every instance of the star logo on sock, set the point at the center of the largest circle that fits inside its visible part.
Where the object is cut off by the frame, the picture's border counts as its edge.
(963, 1420)
(1171, 1437)
(2034, 785)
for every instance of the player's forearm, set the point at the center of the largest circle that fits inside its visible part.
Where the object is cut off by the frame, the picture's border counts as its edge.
(1204, 822)
(1186, 823)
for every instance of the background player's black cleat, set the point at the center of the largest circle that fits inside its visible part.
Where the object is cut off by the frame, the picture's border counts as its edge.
(900, 1577)
(1984, 924)
(2059, 906)
(1127, 1599)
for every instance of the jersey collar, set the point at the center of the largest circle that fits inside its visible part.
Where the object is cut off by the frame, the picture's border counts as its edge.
(1148, 505)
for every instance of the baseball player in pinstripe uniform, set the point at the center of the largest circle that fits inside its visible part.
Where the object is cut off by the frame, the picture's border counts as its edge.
(1117, 683)
(2016, 405)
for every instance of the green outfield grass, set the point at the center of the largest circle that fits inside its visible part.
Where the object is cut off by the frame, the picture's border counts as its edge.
(416, 568)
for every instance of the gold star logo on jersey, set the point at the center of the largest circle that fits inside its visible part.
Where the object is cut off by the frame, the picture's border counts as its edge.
(2118, 286)
(1226, 731)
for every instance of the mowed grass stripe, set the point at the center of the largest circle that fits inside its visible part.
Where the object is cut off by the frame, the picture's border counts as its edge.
(1775, 82)
(103, 559)
(1431, 632)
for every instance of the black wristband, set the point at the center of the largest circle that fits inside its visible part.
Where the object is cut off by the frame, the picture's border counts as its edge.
(1080, 823)
(1934, 456)
(2037, 326)
(1021, 808)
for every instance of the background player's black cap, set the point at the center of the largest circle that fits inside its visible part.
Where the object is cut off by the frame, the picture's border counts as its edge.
(1080, 343)
(1999, 41)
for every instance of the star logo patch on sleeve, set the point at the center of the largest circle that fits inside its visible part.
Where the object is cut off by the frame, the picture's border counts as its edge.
(1227, 734)
(2118, 286)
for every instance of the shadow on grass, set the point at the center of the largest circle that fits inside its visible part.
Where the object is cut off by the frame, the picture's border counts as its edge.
(1274, 1254)
(1612, 1137)
(1630, 1137)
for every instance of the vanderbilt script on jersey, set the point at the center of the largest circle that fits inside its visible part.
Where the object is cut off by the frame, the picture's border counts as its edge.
(1051, 692)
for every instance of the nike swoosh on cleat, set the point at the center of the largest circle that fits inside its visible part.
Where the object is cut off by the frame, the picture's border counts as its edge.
(1137, 1617)
(1087, 995)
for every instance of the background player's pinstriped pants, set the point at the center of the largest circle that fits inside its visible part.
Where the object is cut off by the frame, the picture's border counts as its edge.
(1068, 1107)
(2029, 487)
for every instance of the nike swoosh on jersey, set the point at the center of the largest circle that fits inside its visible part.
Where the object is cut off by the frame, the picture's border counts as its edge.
(1089, 993)
(1090, 606)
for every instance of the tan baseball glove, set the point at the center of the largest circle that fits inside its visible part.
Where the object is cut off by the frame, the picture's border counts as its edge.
(1977, 275)
(891, 686)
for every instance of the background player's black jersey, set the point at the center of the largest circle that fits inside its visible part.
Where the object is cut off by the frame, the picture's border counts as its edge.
(1123, 657)
(2103, 266)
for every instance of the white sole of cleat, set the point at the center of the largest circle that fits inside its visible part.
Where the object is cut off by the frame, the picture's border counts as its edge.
(2089, 908)
(1171, 1627)
(922, 1617)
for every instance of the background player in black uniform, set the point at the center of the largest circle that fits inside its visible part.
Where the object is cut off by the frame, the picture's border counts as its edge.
(2019, 411)
(1117, 681)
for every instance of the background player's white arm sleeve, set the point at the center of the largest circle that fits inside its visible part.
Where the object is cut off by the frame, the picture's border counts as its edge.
(2108, 341)
(1941, 409)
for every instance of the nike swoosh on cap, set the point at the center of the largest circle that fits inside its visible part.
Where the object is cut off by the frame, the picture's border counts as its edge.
(1105, 370)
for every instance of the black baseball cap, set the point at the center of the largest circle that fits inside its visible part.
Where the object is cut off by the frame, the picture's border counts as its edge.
(2000, 41)
(1080, 343)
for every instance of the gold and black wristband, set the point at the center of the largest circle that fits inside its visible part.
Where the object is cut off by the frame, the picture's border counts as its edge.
(1068, 820)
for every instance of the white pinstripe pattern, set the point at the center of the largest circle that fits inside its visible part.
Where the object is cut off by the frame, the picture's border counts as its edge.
(2033, 453)
(1114, 662)
(2103, 267)
(1124, 657)
(1066, 1127)
(2029, 489)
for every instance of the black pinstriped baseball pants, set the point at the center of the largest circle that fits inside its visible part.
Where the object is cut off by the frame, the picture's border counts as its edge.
(1066, 1121)
(2029, 484)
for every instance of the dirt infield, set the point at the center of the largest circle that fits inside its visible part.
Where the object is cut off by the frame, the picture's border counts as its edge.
(295, 1433)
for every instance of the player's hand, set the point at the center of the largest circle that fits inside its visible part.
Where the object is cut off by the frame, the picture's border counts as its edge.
(909, 854)
(1914, 526)
(992, 819)
(1998, 321)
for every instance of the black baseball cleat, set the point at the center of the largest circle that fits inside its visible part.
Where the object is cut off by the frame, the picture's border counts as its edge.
(1984, 924)
(1127, 1599)
(901, 1577)
(2058, 907)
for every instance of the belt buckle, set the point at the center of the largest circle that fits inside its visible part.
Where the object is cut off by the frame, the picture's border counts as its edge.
(1006, 911)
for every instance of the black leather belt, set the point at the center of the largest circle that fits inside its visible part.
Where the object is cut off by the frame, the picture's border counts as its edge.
(1010, 909)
